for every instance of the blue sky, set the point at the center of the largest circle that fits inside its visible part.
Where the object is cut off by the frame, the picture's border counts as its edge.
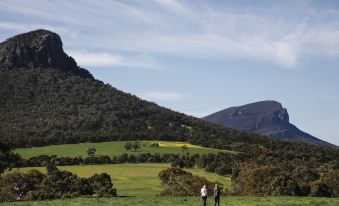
(199, 57)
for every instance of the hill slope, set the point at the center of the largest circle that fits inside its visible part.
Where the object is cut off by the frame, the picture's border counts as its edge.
(47, 99)
(265, 117)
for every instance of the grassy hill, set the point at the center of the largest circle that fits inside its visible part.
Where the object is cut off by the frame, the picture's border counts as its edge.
(114, 148)
(133, 179)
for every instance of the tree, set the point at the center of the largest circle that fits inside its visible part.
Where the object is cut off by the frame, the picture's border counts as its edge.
(102, 185)
(91, 151)
(223, 169)
(136, 145)
(184, 148)
(181, 183)
(155, 144)
(128, 146)
(51, 168)
(35, 185)
(7, 158)
(178, 163)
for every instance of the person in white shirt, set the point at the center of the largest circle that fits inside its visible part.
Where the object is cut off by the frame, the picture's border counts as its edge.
(204, 195)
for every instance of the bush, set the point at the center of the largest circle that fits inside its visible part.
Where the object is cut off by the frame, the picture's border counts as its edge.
(102, 185)
(320, 189)
(181, 183)
(56, 184)
(155, 144)
(223, 170)
(91, 151)
(168, 174)
(327, 185)
(15, 186)
(264, 180)
(128, 146)
(211, 167)
(7, 158)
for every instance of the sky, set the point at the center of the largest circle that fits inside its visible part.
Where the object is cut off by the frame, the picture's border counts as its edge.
(198, 57)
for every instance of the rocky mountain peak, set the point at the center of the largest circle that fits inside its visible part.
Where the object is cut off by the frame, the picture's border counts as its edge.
(37, 49)
(265, 117)
(264, 112)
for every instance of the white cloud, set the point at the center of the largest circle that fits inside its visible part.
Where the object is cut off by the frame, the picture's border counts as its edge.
(172, 5)
(193, 30)
(103, 59)
(161, 96)
(209, 33)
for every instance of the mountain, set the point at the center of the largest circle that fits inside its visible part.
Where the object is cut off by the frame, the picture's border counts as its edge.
(46, 98)
(265, 117)
(37, 49)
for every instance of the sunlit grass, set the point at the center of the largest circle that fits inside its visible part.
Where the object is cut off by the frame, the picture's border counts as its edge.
(133, 179)
(114, 148)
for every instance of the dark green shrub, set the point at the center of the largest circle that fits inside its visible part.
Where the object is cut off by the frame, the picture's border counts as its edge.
(56, 184)
(180, 183)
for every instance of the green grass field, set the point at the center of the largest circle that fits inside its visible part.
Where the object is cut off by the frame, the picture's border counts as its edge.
(133, 179)
(138, 184)
(184, 201)
(113, 148)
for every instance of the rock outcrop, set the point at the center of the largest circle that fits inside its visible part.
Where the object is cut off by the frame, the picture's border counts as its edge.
(37, 49)
(265, 117)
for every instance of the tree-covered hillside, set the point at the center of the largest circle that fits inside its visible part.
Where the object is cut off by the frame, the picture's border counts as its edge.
(48, 106)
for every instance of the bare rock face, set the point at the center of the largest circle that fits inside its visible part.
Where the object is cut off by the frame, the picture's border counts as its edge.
(37, 49)
(265, 117)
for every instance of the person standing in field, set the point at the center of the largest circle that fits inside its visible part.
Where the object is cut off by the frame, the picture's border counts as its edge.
(204, 195)
(216, 195)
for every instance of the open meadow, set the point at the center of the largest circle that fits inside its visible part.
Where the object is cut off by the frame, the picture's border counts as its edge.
(133, 179)
(114, 148)
(138, 185)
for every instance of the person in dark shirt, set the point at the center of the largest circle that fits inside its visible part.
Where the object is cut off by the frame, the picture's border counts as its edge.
(216, 195)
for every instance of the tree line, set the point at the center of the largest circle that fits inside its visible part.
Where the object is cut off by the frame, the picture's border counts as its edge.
(261, 175)
(250, 176)
(35, 185)
(178, 182)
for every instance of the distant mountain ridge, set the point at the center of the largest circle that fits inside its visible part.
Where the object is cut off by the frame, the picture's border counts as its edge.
(264, 117)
